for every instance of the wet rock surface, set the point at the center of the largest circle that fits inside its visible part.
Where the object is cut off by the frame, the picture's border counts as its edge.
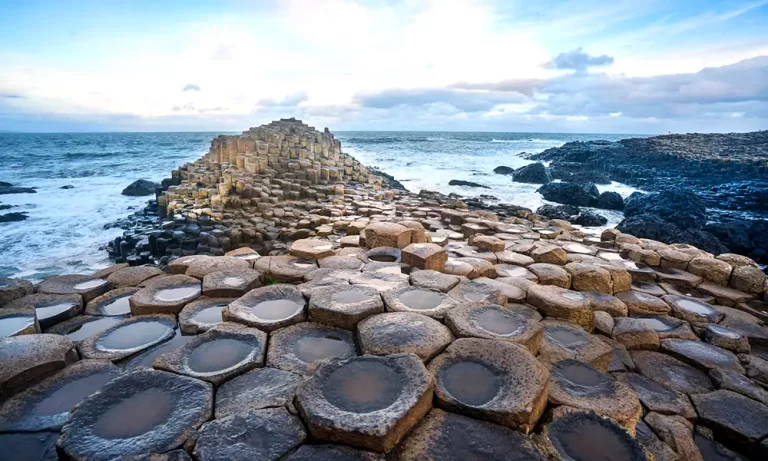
(226, 350)
(368, 402)
(296, 348)
(257, 434)
(142, 411)
(494, 381)
(128, 337)
(256, 390)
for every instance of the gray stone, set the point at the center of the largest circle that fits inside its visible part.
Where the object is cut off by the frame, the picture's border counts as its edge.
(28, 359)
(255, 390)
(297, 347)
(145, 411)
(403, 332)
(268, 308)
(258, 434)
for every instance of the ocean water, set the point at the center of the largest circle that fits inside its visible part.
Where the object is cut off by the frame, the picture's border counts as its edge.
(65, 229)
(429, 160)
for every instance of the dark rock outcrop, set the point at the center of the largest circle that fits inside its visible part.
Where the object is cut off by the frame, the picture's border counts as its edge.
(647, 225)
(459, 182)
(729, 171)
(535, 173)
(572, 214)
(4, 190)
(13, 217)
(388, 179)
(677, 206)
(597, 177)
(570, 193)
(503, 170)
(140, 187)
(610, 201)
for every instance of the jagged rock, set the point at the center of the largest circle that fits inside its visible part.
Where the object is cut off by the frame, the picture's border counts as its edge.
(609, 201)
(535, 173)
(680, 207)
(568, 193)
(140, 187)
(459, 182)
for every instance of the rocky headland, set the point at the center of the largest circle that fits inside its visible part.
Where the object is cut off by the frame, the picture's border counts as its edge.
(303, 309)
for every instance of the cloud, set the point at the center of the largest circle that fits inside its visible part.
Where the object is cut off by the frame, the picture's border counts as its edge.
(191, 87)
(578, 60)
(476, 100)
(291, 100)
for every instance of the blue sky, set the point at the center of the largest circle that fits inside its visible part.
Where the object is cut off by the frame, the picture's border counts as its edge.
(641, 66)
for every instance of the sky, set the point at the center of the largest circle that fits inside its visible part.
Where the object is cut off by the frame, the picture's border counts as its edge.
(581, 66)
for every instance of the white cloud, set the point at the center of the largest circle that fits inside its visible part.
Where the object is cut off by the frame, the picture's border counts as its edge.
(379, 64)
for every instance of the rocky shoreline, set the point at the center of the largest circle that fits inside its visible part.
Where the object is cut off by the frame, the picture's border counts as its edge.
(337, 317)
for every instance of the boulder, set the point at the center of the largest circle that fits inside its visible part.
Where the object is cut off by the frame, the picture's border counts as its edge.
(13, 217)
(610, 201)
(140, 188)
(503, 170)
(569, 193)
(649, 226)
(535, 173)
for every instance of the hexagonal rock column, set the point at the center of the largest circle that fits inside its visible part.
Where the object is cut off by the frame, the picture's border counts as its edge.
(297, 347)
(29, 358)
(46, 406)
(112, 303)
(225, 350)
(643, 304)
(386, 234)
(312, 248)
(736, 418)
(635, 334)
(702, 355)
(199, 268)
(563, 340)
(671, 372)
(268, 308)
(427, 256)
(589, 277)
(256, 434)
(450, 437)
(344, 306)
(11, 289)
(180, 265)
(496, 381)
(145, 411)
(166, 296)
(16, 321)
(381, 281)
(473, 292)
(491, 321)
(258, 389)
(579, 385)
(550, 254)
(433, 280)
(658, 397)
(231, 283)
(87, 286)
(284, 269)
(202, 314)
(581, 435)
(132, 276)
(368, 402)
(128, 337)
(549, 274)
(403, 332)
(82, 327)
(49, 309)
(420, 301)
(562, 304)
(692, 310)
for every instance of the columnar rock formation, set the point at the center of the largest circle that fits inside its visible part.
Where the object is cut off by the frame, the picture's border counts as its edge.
(396, 328)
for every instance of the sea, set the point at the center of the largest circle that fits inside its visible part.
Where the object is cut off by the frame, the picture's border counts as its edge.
(65, 230)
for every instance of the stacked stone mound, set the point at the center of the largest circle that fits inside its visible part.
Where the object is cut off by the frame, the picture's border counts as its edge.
(399, 329)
